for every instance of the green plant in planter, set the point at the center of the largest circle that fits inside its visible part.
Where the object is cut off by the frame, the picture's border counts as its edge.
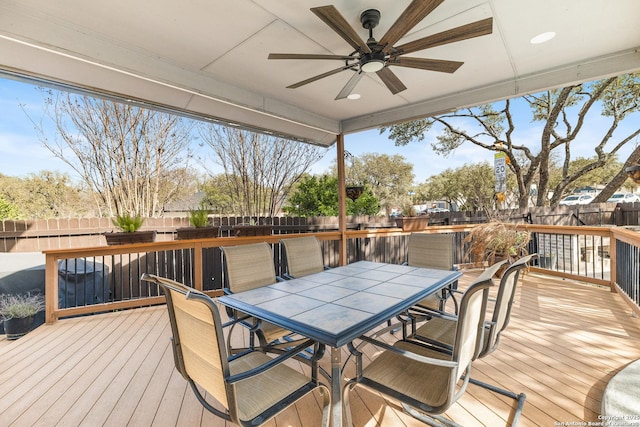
(409, 210)
(18, 311)
(127, 223)
(199, 218)
(16, 306)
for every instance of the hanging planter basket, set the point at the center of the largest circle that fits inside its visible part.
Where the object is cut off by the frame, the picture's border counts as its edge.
(354, 192)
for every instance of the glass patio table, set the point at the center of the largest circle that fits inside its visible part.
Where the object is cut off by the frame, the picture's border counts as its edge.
(338, 305)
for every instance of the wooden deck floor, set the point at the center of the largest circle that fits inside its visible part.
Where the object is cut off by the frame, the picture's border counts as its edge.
(564, 342)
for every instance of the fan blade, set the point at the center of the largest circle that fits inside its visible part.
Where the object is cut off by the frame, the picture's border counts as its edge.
(336, 21)
(392, 81)
(427, 64)
(412, 15)
(320, 76)
(309, 56)
(464, 32)
(351, 84)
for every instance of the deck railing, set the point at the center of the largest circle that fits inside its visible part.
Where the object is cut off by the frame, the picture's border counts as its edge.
(98, 279)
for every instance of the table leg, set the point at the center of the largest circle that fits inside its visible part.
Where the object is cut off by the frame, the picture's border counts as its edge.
(336, 388)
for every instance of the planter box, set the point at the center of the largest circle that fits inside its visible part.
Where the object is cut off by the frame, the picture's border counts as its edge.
(121, 238)
(252, 230)
(412, 223)
(197, 233)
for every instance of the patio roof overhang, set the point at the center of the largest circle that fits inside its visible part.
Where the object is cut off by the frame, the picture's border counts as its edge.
(209, 59)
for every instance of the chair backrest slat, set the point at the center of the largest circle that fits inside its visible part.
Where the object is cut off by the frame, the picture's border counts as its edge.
(430, 250)
(504, 301)
(471, 315)
(303, 255)
(249, 266)
(197, 337)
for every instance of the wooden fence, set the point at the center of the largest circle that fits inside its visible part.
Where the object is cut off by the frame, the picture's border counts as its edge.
(41, 235)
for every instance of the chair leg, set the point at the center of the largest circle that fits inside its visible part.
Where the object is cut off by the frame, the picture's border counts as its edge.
(519, 397)
(432, 420)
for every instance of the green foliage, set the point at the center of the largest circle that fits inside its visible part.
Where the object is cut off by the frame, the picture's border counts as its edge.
(318, 196)
(366, 204)
(470, 187)
(44, 195)
(8, 210)
(20, 305)
(218, 193)
(199, 217)
(387, 177)
(128, 223)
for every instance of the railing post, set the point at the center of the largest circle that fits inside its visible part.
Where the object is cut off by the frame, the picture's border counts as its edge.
(612, 260)
(342, 209)
(197, 266)
(51, 288)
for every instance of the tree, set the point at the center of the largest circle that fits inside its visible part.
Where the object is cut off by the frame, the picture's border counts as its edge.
(127, 156)
(562, 114)
(597, 177)
(387, 177)
(258, 169)
(44, 195)
(470, 187)
(8, 210)
(318, 196)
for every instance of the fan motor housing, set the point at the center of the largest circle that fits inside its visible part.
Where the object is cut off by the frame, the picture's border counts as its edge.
(370, 18)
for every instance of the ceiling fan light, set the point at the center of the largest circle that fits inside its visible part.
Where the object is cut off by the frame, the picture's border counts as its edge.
(372, 66)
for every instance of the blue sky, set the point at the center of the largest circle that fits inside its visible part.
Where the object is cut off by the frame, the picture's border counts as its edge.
(22, 153)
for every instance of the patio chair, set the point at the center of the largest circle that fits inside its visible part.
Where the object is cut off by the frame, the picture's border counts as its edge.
(248, 267)
(430, 250)
(424, 379)
(250, 387)
(440, 330)
(303, 256)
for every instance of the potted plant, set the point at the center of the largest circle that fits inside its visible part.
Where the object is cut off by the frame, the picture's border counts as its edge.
(129, 226)
(19, 313)
(410, 221)
(252, 229)
(496, 240)
(201, 227)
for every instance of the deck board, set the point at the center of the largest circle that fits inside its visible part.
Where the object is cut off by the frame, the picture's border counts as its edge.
(564, 342)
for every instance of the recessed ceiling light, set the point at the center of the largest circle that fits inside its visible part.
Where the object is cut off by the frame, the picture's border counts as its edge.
(353, 96)
(542, 37)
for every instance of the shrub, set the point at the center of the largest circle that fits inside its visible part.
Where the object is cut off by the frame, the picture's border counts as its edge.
(20, 305)
(199, 217)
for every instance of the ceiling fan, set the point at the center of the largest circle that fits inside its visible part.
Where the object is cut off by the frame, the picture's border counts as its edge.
(377, 56)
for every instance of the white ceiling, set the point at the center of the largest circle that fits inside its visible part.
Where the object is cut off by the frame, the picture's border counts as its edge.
(209, 57)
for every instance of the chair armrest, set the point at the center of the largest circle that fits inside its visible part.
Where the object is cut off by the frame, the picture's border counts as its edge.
(273, 362)
(408, 354)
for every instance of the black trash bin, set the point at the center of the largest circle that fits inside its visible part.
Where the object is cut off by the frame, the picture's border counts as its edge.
(82, 281)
